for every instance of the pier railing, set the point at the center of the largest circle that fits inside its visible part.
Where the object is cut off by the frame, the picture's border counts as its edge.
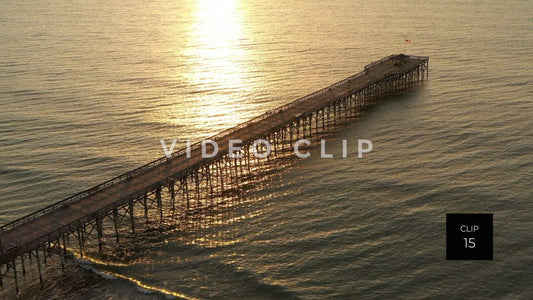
(149, 166)
(370, 65)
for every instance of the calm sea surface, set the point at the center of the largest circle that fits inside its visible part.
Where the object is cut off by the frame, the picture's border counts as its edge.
(87, 89)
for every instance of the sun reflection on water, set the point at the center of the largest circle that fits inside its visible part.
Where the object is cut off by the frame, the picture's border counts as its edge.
(216, 64)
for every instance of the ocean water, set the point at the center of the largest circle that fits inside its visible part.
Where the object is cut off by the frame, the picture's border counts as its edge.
(87, 89)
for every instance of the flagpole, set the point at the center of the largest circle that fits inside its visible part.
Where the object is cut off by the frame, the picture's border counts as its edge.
(405, 45)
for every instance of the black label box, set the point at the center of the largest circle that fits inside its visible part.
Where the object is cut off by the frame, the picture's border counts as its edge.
(469, 236)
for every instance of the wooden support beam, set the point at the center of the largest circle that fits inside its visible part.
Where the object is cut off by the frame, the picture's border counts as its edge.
(22, 265)
(159, 202)
(187, 194)
(15, 276)
(132, 218)
(197, 188)
(99, 232)
(172, 195)
(39, 268)
(80, 243)
(145, 204)
(64, 245)
(61, 258)
(115, 222)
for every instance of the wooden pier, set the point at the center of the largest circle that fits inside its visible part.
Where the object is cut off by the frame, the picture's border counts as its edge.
(174, 186)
